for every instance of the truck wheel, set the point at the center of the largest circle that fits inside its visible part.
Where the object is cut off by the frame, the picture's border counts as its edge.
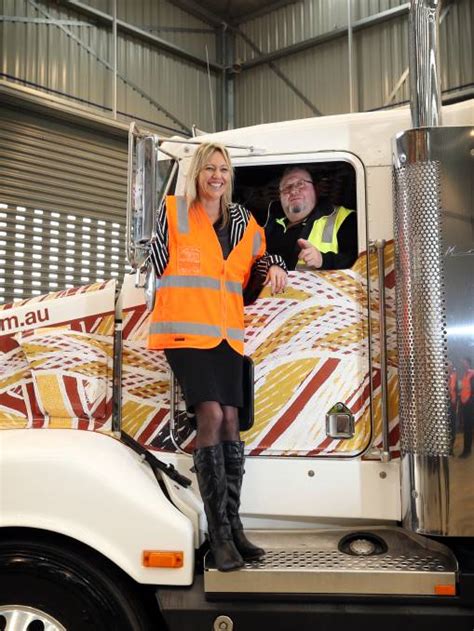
(45, 586)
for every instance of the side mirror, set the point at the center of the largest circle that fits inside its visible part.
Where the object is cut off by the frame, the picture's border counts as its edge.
(143, 212)
(149, 180)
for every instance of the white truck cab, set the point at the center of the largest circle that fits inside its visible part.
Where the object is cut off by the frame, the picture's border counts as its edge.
(358, 480)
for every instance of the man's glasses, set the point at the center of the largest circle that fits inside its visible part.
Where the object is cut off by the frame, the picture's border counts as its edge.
(294, 186)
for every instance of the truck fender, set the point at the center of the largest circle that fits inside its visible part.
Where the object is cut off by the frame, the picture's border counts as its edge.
(92, 488)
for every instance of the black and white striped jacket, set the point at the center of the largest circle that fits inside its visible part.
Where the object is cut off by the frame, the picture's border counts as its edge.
(239, 218)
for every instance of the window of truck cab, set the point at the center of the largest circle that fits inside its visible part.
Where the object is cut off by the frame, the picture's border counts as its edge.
(338, 178)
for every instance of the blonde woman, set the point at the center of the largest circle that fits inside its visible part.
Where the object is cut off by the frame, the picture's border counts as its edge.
(206, 251)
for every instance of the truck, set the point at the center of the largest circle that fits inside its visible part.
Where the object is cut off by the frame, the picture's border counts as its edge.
(358, 474)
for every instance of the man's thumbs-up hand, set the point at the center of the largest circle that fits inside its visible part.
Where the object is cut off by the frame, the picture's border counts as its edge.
(309, 254)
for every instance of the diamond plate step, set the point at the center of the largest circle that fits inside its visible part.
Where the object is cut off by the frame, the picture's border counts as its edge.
(315, 562)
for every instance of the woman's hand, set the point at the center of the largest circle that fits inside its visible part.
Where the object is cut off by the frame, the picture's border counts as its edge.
(276, 278)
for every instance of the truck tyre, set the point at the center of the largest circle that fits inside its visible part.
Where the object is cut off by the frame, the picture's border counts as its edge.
(62, 587)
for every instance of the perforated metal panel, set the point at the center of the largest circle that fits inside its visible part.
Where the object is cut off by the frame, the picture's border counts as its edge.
(335, 560)
(305, 562)
(434, 231)
(421, 312)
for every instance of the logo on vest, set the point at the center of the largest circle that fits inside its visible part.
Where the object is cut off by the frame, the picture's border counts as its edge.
(189, 260)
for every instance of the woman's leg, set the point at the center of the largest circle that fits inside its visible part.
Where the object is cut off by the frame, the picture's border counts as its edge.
(210, 418)
(230, 423)
(234, 468)
(211, 476)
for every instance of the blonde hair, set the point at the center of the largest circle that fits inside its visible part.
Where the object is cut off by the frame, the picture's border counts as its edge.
(199, 160)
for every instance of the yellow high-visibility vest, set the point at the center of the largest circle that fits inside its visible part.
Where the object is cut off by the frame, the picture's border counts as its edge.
(323, 234)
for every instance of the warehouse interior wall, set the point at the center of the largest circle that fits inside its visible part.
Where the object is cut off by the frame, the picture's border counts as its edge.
(73, 74)
(309, 54)
(173, 65)
(53, 46)
(63, 194)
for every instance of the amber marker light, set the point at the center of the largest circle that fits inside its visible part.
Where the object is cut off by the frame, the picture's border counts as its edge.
(445, 590)
(162, 558)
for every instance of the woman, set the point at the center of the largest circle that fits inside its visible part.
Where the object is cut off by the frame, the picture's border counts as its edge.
(205, 253)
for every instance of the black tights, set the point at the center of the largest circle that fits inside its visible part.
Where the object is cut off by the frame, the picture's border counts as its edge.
(215, 423)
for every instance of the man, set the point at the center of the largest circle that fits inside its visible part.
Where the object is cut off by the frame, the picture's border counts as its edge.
(466, 396)
(320, 235)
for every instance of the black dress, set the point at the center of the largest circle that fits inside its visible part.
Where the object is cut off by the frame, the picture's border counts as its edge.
(210, 374)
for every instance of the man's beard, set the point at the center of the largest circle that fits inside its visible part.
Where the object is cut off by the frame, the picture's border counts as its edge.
(295, 210)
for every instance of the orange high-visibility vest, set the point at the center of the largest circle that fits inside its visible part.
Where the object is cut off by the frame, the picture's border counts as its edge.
(199, 298)
(465, 393)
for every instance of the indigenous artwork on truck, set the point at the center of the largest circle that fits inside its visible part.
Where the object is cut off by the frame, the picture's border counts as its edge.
(313, 347)
(57, 359)
(310, 348)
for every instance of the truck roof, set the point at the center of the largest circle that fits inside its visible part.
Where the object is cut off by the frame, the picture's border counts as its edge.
(366, 134)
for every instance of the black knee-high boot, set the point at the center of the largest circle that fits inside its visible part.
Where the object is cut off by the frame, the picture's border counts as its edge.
(211, 476)
(234, 468)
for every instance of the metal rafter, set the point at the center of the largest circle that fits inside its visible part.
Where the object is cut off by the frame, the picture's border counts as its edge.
(109, 66)
(280, 74)
(224, 17)
(256, 13)
(177, 29)
(312, 42)
(200, 12)
(135, 31)
(53, 22)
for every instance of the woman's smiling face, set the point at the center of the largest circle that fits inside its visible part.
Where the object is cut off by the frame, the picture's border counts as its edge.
(213, 178)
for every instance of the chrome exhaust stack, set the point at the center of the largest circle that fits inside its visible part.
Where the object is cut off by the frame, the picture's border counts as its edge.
(434, 232)
(425, 83)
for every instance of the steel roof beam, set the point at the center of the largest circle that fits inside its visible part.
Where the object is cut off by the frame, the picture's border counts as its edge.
(105, 63)
(129, 29)
(280, 74)
(200, 12)
(256, 13)
(312, 42)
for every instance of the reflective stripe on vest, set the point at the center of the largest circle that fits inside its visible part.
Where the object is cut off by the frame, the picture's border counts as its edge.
(206, 282)
(235, 334)
(199, 298)
(323, 234)
(182, 212)
(189, 281)
(257, 243)
(190, 328)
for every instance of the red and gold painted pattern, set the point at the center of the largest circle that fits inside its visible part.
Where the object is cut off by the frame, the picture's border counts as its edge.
(310, 347)
(56, 367)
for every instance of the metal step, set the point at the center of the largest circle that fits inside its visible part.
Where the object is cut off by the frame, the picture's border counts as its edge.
(377, 561)
(189, 609)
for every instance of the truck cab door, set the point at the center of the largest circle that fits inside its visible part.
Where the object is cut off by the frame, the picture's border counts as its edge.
(310, 345)
(316, 388)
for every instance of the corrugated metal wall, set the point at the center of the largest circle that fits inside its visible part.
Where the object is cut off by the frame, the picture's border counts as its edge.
(263, 97)
(63, 189)
(380, 56)
(165, 20)
(50, 56)
(366, 8)
(292, 24)
(63, 58)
